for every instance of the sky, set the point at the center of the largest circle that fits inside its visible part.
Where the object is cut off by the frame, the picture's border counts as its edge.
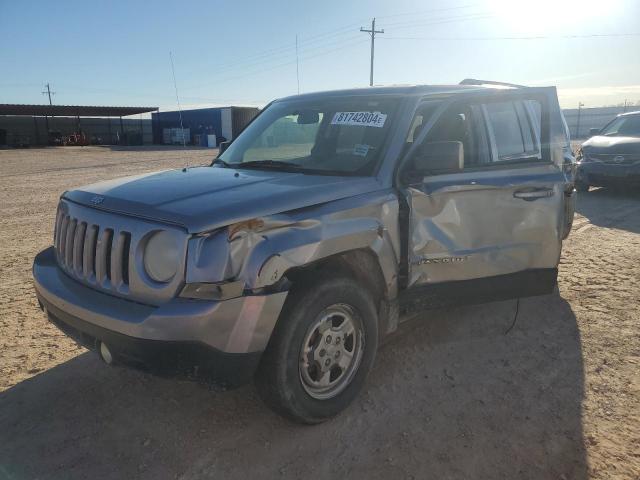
(244, 52)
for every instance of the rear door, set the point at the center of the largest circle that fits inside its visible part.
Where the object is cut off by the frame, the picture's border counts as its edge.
(495, 226)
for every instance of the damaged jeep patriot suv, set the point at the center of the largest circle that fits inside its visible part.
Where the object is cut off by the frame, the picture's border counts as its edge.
(315, 230)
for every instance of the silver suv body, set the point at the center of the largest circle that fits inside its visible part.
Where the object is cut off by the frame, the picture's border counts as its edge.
(414, 197)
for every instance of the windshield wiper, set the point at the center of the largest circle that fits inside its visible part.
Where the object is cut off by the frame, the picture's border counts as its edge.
(271, 164)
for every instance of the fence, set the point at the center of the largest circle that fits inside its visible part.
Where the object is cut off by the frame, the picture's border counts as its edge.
(580, 122)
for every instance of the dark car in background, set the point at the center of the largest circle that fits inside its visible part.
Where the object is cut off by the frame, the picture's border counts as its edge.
(611, 158)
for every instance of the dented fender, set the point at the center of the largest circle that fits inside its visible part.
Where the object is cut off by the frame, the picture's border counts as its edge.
(261, 251)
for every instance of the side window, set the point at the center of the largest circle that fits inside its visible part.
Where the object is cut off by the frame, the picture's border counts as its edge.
(421, 118)
(457, 125)
(416, 126)
(461, 122)
(533, 115)
(514, 128)
(505, 128)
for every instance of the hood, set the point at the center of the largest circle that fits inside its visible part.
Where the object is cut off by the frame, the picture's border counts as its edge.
(612, 145)
(204, 198)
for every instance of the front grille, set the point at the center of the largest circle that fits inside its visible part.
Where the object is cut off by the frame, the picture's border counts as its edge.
(617, 159)
(104, 250)
(97, 254)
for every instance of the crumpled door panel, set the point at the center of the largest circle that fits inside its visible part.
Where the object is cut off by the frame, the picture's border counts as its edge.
(470, 225)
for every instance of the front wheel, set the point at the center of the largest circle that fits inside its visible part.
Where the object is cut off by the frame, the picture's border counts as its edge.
(321, 351)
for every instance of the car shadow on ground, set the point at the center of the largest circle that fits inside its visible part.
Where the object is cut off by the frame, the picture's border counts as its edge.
(621, 208)
(451, 396)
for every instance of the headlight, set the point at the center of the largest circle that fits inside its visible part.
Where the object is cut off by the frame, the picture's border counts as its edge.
(161, 257)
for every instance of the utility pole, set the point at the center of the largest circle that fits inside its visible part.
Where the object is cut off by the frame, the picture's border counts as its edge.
(48, 92)
(372, 32)
(580, 105)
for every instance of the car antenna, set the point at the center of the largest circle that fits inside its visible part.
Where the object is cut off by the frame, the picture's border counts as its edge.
(175, 86)
(515, 317)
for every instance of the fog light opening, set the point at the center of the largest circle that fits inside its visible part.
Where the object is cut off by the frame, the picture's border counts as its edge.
(105, 354)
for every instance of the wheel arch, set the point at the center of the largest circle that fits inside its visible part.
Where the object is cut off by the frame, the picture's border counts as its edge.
(362, 265)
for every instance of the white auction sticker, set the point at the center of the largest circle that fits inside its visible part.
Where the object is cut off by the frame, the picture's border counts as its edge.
(361, 150)
(363, 119)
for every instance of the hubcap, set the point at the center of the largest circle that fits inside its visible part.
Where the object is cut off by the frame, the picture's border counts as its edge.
(331, 352)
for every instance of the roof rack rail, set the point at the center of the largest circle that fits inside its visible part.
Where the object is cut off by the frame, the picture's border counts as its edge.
(473, 81)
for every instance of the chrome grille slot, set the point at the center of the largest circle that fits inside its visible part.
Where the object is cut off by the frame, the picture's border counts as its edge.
(62, 236)
(125, 258)
(89, 260)
(103, 248)
(120, 259)
(68, 248)
(78, 247)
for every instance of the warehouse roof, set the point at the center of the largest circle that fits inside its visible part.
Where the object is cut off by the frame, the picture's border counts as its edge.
(72, 110)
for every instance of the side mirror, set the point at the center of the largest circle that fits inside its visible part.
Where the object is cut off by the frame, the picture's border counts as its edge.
(223, 146)
(594, 131)
(438, 157)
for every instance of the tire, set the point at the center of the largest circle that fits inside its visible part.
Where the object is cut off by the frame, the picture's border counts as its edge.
(582, 187)
(317, 385)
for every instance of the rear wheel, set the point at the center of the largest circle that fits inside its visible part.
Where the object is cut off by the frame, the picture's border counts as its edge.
(321, 351)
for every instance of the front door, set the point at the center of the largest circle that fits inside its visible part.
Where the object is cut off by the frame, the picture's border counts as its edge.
(495, 227)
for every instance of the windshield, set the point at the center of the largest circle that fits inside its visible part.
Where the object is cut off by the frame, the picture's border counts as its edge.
(337, 136)
(625, 126)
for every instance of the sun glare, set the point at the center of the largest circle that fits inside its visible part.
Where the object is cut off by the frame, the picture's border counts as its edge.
(544, 16)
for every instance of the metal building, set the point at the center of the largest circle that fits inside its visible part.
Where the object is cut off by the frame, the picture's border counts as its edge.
(34, 125)
(223, 122)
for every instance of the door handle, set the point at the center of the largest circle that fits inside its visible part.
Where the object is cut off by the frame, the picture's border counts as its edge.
(534, 194)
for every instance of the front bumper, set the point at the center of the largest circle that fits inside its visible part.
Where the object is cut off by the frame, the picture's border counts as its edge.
(220, 341)
(602, 174)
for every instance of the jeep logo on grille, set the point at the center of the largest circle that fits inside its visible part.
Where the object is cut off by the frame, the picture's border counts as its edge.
(97, 200)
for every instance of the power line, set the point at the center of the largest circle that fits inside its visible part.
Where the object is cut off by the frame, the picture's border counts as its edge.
(533, 37)
(288, 51)
(291, 62)
(288, 48)
(440, 20)
(430, 11)
(272, 67)
(372, 32)
(278, 57)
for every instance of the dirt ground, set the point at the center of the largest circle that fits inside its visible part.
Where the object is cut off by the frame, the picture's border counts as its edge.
(451, 395)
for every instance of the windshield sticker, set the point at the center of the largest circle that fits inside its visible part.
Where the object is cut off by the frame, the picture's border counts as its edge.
(360, 150)
(362, 119)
